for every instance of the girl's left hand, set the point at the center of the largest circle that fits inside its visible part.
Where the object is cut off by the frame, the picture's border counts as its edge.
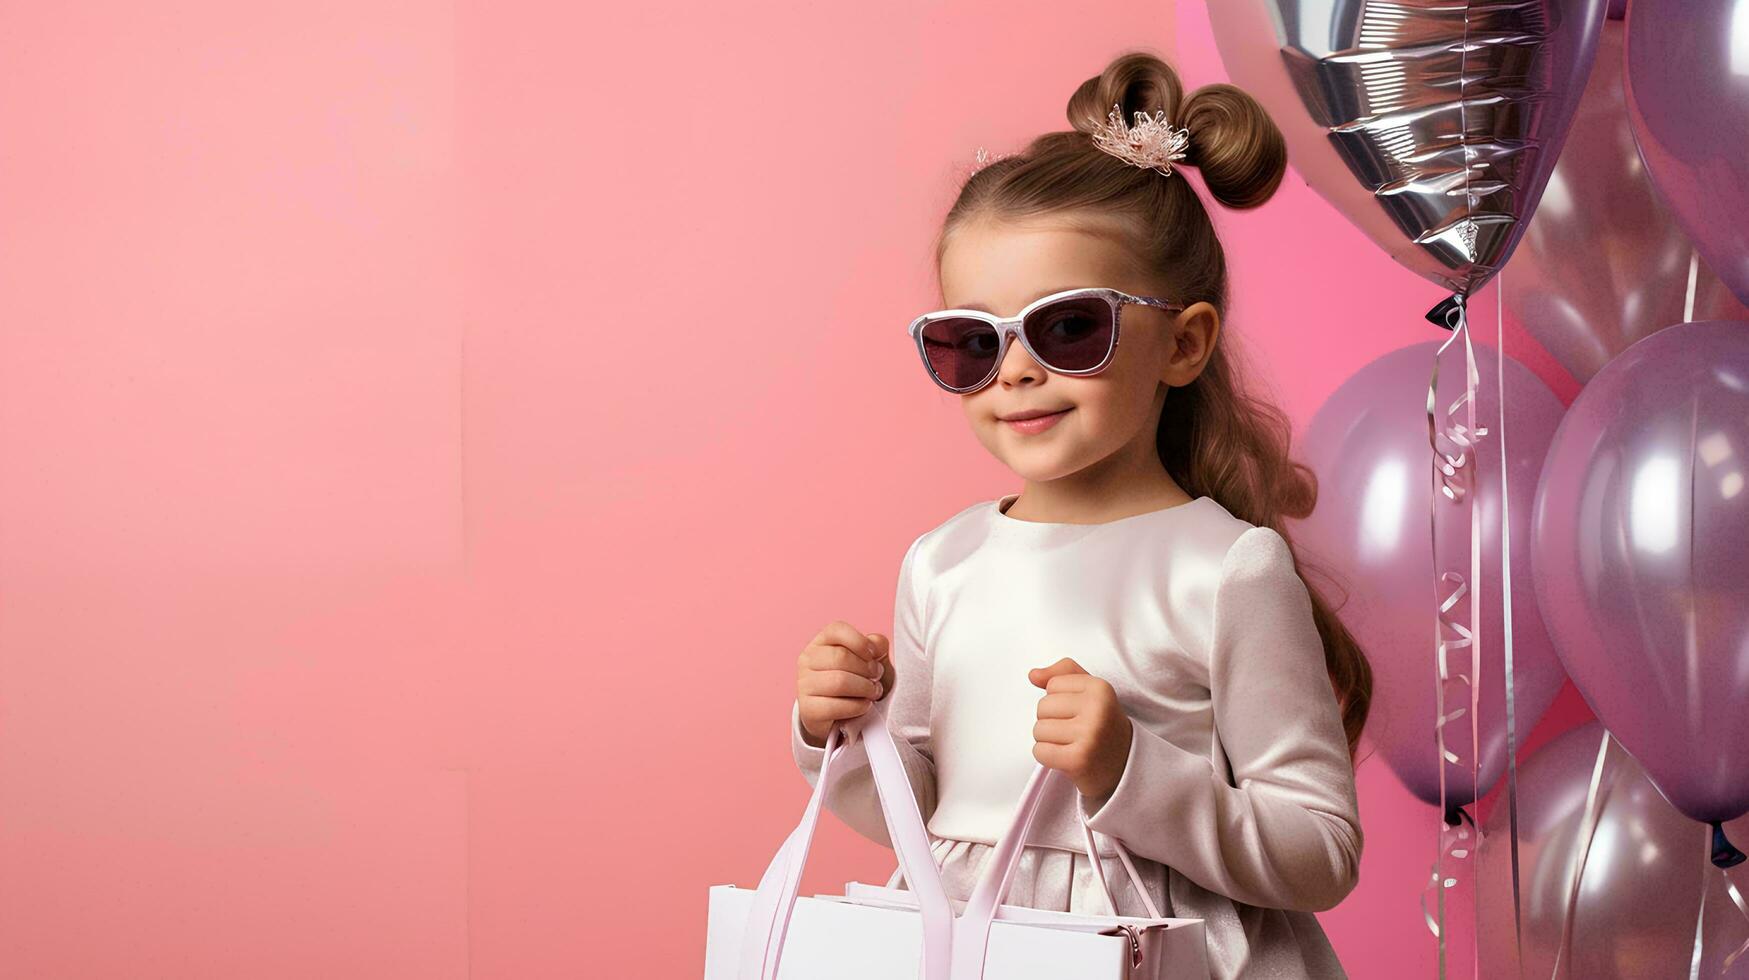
(1081, 729)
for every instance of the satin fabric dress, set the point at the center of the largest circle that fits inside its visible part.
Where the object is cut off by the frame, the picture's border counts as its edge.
(1237, 799)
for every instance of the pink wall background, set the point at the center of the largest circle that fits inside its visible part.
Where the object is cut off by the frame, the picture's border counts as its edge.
(428, 432)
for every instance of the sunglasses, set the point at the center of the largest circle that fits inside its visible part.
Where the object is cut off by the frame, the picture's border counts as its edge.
(1072, 332)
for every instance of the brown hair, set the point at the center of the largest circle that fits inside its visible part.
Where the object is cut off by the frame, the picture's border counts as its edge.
(1215, 439)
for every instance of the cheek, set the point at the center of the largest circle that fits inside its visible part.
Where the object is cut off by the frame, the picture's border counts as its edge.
(1115, 403)
(973, 405)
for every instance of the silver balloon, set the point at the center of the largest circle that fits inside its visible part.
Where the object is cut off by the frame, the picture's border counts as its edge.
(1604, 262)
(1640, 891)
(1431, 125)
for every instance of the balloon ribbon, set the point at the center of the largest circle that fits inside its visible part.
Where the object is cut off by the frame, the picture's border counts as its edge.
(1723, 855)
(1455, 472)
(1594, 804)
(1506, 617)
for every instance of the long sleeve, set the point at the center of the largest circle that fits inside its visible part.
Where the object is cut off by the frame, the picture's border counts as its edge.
(1288, 834)
(852, 795)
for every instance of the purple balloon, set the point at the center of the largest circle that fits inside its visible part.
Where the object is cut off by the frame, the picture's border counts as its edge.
(1604, 262)
(1640, 891)
(1368, 446)
(1640, 544)
(1688, 101)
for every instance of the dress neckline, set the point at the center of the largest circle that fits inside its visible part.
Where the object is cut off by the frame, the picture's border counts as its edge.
(1000, 505)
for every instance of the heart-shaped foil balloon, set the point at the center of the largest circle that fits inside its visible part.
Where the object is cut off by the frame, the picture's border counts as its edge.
(1431, 124)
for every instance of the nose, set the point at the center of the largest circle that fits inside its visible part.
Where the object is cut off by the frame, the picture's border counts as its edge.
(1018, 367)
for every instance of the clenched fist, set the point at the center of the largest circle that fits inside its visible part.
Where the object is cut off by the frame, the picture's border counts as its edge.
(1081, 729)
(838, 675)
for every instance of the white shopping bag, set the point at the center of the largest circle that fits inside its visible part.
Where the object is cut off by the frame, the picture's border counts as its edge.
(882, 933)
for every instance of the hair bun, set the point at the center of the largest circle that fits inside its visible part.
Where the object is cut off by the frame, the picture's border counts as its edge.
(1235, 145)
(1233, 142)
(1136, 81)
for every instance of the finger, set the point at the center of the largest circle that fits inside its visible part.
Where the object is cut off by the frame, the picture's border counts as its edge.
(1054, 755)
(1057, 731)
(833, 657)
(838, 684)
(1066, 666)
(850, 638)
(1068, 683)
(845, 637)
(883, 668)
(1060, 704)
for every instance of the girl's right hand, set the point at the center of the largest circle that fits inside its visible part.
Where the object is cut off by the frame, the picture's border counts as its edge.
(838, 675)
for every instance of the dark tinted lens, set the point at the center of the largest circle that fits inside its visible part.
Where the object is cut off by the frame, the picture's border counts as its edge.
(1071, 334)
(961, 350)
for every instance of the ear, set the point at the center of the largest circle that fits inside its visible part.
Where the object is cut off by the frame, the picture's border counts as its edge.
(1190, 342)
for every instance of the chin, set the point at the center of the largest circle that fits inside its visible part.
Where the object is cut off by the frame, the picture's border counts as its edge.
(1040, 465)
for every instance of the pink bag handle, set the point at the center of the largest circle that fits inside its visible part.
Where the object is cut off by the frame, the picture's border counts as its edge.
(768, 921)
(890, 782)
(953, 947)
(972, 933)
(1092, 848)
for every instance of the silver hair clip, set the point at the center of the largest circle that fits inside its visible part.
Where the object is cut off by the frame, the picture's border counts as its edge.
(1152, 143)
(984, 159)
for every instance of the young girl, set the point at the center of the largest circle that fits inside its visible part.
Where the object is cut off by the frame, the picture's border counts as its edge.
(1133, 616)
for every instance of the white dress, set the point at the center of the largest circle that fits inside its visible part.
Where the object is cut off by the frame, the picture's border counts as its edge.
(1237, 799)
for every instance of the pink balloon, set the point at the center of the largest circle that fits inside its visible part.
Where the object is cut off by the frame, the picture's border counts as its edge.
(1688, 102)
(1604, 262)
(1640, 544)
(1368, 445)
(1640, 892)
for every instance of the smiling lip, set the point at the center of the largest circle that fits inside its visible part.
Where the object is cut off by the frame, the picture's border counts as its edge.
(1032, 422)
(1031, 413)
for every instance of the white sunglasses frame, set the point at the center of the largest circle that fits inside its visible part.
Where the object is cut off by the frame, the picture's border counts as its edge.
(1008, 328)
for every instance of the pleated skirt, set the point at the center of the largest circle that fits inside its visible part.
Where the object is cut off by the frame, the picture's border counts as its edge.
(1245, 942)
(1049, 878)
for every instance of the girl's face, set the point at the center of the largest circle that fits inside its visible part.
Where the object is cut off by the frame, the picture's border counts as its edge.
(999, 267)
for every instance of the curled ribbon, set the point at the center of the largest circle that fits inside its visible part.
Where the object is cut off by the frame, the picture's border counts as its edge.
(1724, 856)
(1454, 840)
(1736, 899)
(1456, 442)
